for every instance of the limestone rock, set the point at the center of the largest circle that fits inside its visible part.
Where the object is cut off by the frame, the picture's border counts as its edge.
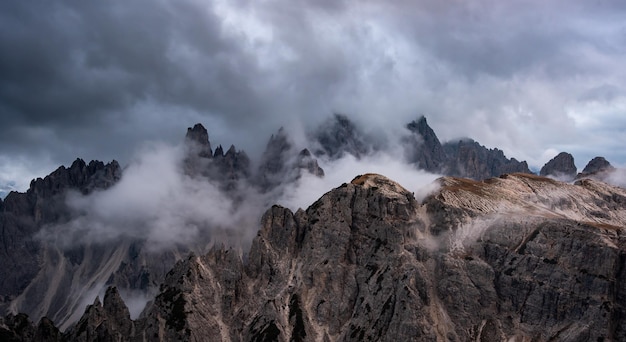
(306, 161)
(339, 136)
(467, 158)
(597, 164)
(423, 147)
(22, 216)
(281, 164)
(518, 257)
(197, 139)
(463, 158)
(17, 328)
(560, 166)
(109, 321)
(598, 168)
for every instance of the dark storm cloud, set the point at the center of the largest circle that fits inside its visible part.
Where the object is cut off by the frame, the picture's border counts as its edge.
(79, 69)
(96, 79)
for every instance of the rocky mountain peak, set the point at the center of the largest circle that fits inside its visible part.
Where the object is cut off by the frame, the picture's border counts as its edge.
(506, 258)
(468, 158)
(110, 321)
(80, 176)
(560, 166)
(198, 137)
(281, 163)
(307, 162)
(597, 164)
(384, 185)
(462, 158)
(338, 136)
(227, 169)
(538, 196)
(423, 147)
(219, 152)
(420, 126)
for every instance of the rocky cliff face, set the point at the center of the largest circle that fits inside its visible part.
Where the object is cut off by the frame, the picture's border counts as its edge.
(227, 169)
(598, 168)
(23, 214)
(561, 166)
(467, 158)
(282, 164)
(518, 258)
(339, 136)
(423, 147)
(463, 158)
(43, 278)
(597, 164)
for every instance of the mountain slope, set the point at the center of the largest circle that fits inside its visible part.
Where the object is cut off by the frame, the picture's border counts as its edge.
(519, 257)
(462, 158)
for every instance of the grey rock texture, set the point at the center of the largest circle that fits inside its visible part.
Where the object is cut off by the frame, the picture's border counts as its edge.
(19, 328)
(226, 169)
(597, 164)
(339, 136)
(109, 321)
(306, 161)
(22, 215)
(423, 147)
(560, 166)
(462, 158)
(282, 164)
(198, 137)
(467, 158)
(518, 258)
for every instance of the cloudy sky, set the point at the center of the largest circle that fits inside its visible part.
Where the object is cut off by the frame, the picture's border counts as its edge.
(97, 79)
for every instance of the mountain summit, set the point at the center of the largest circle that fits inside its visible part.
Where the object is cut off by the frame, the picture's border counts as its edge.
(520, 257)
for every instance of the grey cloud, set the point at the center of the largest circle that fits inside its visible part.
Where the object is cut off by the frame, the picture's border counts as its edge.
(95, 79)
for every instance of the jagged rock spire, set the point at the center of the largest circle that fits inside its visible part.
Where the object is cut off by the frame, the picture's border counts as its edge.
(281, 163)
(423, 146)
(199, 137)
(597, 164)
(560, 166)
(339, 136)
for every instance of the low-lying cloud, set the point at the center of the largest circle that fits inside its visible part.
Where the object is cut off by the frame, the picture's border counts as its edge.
(154, 201)
(157, 202)
(309, 188)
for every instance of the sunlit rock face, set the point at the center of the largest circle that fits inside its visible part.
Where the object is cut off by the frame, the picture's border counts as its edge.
(520, 257)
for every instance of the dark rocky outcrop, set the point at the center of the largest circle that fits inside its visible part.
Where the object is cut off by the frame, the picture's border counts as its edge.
(467, 158)
(423, 147)
(597, 164)
(561, 166)
(307, 162)
(520, 257)
(23, 215)
(198, 137)
(109, 321)
(339, 136)
(19, 328)
(462, 158)
(281, 164)
(226, 169)
(517, 257)
(230, 168)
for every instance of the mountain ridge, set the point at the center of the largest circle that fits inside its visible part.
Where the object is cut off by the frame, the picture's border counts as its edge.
(368, 261)
(132, 266)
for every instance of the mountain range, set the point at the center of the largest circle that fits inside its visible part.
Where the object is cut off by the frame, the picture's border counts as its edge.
(492, 252)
